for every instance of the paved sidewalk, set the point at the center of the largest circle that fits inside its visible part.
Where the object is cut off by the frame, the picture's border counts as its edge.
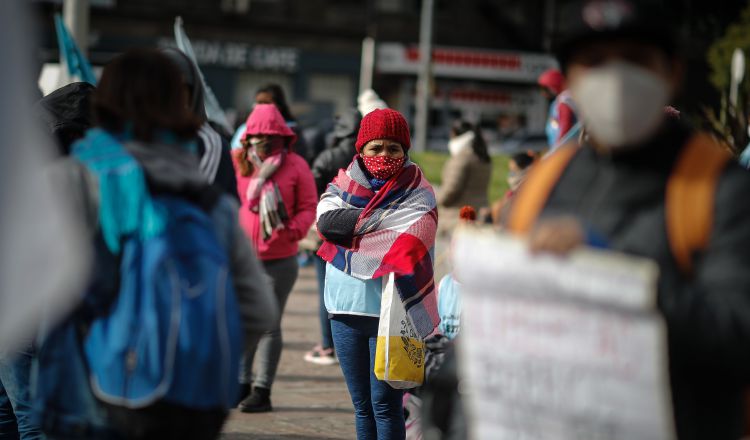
(310, 401)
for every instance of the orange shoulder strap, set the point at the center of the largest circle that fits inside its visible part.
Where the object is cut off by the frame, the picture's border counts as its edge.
(533, 195)
(691, 190)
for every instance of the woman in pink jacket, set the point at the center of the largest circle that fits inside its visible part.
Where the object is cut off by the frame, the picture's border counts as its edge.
(279, 199)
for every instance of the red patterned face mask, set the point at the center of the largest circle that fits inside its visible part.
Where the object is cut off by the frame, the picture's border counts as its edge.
(383, 167)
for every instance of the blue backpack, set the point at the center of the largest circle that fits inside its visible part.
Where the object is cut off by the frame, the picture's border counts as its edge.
(173, 333)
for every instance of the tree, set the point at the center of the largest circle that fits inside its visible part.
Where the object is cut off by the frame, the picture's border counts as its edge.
(737, 35)
(731, 123)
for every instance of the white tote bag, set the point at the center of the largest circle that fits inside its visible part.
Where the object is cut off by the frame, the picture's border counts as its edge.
(400, 352)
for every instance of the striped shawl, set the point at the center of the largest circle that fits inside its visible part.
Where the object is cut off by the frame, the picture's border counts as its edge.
(395, 233)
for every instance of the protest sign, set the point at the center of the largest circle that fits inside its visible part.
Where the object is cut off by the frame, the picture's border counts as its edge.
(560, 348)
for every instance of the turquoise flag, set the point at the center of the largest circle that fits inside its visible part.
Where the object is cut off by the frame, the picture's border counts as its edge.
(70, 54)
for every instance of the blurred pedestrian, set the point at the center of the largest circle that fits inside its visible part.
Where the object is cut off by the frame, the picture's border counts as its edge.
(519, 166)
(325, 168)
(466, 175)
(562, 121)
(368, 100)
(278, 207)
(378, 217)
(274, 94)
(649, 186)
(213, 148)
(133, 174)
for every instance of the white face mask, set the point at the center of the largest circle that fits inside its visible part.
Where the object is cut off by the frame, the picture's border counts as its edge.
(622, 104)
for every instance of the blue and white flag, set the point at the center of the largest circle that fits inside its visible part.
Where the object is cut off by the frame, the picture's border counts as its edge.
(213, 109)
(70, 54)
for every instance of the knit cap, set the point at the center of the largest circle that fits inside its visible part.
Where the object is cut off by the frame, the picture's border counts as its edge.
(383, 124)
(368, 101)
(552, 79)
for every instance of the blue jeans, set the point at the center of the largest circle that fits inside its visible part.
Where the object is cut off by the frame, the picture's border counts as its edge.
(378, 408)
(8, 426)
(15, 370)
(325, 322)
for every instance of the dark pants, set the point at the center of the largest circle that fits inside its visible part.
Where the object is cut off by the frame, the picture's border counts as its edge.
(266, 347)
(325, 322)
(165, 421)
(15, 400)
(378, 408)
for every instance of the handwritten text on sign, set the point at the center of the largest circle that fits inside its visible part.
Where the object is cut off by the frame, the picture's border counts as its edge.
(560, 348)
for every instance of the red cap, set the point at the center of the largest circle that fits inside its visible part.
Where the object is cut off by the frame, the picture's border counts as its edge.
(383, 124)
(553, 79)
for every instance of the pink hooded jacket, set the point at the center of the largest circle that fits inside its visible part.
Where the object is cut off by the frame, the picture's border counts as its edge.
(295, 182)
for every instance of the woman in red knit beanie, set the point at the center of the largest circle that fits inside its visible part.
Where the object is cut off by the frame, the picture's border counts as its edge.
(377, 218)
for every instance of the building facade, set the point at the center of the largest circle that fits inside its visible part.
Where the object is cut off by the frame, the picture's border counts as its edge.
(486, 59)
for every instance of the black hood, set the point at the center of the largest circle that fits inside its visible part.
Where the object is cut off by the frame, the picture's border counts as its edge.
(66, 113)
(192, 79)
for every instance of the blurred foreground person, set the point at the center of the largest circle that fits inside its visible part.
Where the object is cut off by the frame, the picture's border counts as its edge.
(66, 114)
(466, 175)
(646, 185)
(376, 218)
(278, 207)
(153, 349)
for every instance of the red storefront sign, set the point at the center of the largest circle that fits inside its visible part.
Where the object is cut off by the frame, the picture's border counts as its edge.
(465, 63)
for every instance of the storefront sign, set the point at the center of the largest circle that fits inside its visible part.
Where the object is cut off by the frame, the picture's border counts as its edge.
(242, 56)
(465, 63)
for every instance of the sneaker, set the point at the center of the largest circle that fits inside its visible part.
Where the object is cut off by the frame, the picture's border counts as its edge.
(321, 356)
(258, 401)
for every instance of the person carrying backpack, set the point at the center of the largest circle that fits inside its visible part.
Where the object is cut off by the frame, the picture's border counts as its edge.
(158, 336)
(645, 185)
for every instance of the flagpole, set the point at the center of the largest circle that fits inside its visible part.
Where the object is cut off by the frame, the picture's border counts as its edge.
(76, 18)
(424, 79)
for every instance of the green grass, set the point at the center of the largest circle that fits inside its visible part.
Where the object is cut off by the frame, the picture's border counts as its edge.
(432, 165)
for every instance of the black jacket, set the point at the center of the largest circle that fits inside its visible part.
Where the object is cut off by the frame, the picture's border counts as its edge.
(621, 198)
(340, 153)
(66, 113)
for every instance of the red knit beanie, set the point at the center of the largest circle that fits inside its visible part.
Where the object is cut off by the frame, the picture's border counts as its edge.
(383, 124)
